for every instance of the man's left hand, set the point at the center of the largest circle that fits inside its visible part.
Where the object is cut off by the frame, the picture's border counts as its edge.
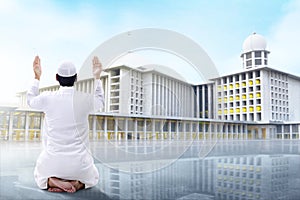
(37, 69)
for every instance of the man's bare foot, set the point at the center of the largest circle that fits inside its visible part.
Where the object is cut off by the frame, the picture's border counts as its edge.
(55, 189)
(78, 185)
(66, 186)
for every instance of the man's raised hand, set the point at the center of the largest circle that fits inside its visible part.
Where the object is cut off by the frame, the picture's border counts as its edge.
(97, 67)
(37, 69)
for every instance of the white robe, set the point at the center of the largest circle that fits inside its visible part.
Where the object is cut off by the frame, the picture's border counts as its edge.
(66, 152)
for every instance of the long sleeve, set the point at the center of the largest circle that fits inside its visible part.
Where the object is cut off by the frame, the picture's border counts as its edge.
(98, 96)
(33, 98)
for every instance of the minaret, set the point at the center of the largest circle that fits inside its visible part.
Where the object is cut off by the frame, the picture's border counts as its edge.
(254, 52)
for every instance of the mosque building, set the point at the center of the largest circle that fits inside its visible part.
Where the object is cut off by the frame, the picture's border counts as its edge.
(153, 103)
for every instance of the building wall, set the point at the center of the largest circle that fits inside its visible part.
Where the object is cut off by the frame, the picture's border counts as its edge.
(205, 98)
(293, 99)
(239, 97)
(279, 96)
(253, 177)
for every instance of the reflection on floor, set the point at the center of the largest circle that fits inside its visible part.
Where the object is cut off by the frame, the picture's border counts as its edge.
(166, 170)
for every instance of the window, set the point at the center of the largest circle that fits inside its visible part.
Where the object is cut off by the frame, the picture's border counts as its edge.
(249, 63)
(237, 78)
(257, 73)
(244, 76)
(266, 54)
(250, 75)
(257, 54)
(257, 61)
(248, 55)
(258, 101)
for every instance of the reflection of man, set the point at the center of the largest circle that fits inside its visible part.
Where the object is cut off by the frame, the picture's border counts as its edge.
(65, 164)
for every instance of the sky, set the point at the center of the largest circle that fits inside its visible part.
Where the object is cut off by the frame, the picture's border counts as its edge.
(57, 30)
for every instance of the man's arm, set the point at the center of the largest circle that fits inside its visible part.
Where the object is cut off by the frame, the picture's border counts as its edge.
(98, 94)
(33, 100)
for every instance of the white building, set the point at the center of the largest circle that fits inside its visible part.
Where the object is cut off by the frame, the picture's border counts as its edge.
(155, 102)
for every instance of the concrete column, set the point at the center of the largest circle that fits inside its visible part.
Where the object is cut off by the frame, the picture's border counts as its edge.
(161, 129)
(153, 111)
(126, 129)
(158, 110)
(184, 130)
(209, 110)
(105, 128)
(10, 127)
(197, 131)
(191, 131)
(116, 134)
(153, 130)
(169, 130)
(177, 129)
(26, 126)
(145, 129)
(94, 128)
(197, 102)
(203, 102)
(135, 129)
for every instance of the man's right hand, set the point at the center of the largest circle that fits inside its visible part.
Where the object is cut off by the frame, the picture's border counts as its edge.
(37, 69)
(97, 67)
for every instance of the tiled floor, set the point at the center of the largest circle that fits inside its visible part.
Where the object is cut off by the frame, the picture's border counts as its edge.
(167, 170)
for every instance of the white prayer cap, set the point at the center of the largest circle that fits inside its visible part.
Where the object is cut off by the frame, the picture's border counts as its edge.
(66, 69)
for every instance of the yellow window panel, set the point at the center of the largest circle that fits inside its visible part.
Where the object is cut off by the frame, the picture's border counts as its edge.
(258, 94)
(250, 82)
(225, 87)
(244, 109)
(238, 110)
(231, 86)
(251, 95)
(257, 81)
(258, 108)
(231, 110)
(244, 96)
(225, 99)
(225, 111)
(244, 84)
(219, 112)
(251, 109)
(231, 98)
(237, 85)
(237, 97)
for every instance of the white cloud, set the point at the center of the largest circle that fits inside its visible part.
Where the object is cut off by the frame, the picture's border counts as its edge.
(284, 41)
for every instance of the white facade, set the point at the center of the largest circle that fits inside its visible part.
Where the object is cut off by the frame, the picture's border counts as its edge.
(261, 100)
(144, 91)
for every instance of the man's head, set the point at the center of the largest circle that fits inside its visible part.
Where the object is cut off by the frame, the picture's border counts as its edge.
(66, 74)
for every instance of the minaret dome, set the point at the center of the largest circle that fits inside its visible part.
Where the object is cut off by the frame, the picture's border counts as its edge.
(255, 53)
